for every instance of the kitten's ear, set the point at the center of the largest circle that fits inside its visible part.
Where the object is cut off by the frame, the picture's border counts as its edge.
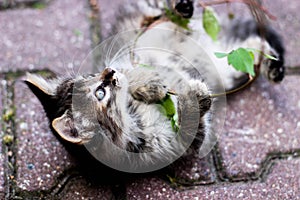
(41, 85)
(64, 126)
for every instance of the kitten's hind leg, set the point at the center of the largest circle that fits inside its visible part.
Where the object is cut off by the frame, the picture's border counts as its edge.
(249, 34)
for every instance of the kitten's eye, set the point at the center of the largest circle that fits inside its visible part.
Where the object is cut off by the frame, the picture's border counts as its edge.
(100, 94)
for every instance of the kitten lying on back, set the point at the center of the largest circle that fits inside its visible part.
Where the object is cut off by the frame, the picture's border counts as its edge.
(118, 113)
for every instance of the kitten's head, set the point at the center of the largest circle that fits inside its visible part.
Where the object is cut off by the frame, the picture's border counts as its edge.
(84, 106)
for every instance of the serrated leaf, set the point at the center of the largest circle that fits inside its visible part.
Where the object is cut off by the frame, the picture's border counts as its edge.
(210, 23)
(242, 60)
(221, 55)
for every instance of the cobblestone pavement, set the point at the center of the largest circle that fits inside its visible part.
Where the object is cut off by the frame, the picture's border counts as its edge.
(258, 151)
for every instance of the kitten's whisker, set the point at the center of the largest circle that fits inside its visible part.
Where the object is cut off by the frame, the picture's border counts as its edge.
(109, 52)
(63, 60)
(73, 70)
(120, 52)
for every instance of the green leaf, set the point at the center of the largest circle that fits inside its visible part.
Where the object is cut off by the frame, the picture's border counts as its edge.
(270, 57)
(174, 123)
(169, 106)
(252, 56)
(264, 54)
(221, 55)
(179, 20)
(170, 112)
(242, 60)
(210, 23)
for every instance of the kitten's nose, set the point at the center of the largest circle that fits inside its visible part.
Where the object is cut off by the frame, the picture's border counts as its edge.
(107, 74)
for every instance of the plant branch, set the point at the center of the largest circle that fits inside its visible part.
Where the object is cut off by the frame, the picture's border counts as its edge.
(248, 2)
(292, 70)
(248, 83)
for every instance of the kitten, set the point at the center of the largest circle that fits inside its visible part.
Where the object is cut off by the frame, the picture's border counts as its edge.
(123, 109)
(118, 114)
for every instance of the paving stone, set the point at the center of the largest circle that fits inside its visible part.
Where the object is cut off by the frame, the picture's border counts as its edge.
(260, 120)
(56, 37)
(79, 188)
(194, 170)
(108, 15)
(41, 158)
(281, 183)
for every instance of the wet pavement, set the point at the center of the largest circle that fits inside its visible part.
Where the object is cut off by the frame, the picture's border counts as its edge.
(258, 151)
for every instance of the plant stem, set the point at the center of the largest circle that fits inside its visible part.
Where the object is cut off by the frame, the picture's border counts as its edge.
(290, 71)
(248, 2)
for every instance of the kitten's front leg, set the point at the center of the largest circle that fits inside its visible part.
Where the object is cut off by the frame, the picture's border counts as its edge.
(151, 91)
(200, 89)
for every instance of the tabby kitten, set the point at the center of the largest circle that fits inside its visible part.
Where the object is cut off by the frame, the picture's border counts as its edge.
(122, 111)
(118, 114)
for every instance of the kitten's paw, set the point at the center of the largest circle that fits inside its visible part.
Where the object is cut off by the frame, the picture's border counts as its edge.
(200, 89)
(150, 92)
(274, 69)
(204, 104)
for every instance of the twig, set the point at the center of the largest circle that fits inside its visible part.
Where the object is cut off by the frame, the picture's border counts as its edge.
(290, 71)
(248, 2)
(248, 83)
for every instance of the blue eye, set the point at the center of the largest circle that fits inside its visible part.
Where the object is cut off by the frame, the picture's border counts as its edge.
(100, 94)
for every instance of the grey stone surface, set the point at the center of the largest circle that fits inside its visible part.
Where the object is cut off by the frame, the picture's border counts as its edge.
(108, 12)
(281, 183)
(194, 170)
(260, 120)
(56, 37)
(41, 158)
(79, 188)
